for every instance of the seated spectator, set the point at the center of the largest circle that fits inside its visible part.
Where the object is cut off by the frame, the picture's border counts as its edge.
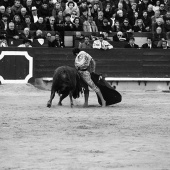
(158, 36)
(159, 23)
(131, 43)
(37, 3)
(23, 14)
(26, 43)
(39, 35)
(12, 32)
(101, 43)
(70, 8)
(43, 11)
(83, 6)
(28, 5)
(164, 45)
(27, 23)
(93, 10)
(40, 24)
(34, 14)
(4, 22)
(9, 13)
(77, 25)
(120, 7)
(57, 42)
(26, 34)
(17, 22)
(16, 8)
(56, 9)
(167, 25)
(146, 21)
(59, 22)
(86, 43)
(156, 15)
(50, 24)
(73, 16)
(83, 16)
(90, 25)
(50, 6)
(126, 27)
(119, 36)
(93, 36)
(2, 11)
(149, 44)
(106, 27)
(139, 26)
(150, 11)
(99, 20)
(3, 43)
(108, 11)
(162, 9)
(116, 27)
(68, 25)
(120, 16)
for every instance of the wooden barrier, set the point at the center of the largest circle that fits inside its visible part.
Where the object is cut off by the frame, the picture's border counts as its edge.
(115, 64)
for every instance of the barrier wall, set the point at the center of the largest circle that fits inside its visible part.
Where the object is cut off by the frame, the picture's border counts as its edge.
(20, 64)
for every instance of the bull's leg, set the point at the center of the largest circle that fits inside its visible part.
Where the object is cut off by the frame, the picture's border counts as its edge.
(51, 98)
(62, 97)
(86, 97)
(71, 99)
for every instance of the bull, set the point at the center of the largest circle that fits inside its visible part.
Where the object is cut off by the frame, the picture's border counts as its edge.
(66, 81)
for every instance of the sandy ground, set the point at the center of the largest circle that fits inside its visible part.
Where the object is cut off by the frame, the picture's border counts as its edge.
(132, 135)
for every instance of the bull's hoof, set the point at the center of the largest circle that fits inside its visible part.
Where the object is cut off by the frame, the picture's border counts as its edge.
(72, 105)
(85, 105)
(48, 105)
(59, 104)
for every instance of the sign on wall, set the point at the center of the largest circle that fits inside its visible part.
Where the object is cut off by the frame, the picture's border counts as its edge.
(15, 67)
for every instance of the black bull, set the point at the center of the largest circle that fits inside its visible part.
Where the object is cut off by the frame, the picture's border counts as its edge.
(66, 81)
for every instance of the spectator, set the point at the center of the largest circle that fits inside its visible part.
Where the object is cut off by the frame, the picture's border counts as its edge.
(50, 6)
(16, 8)
(43, 11)
(167, 25)
(3, 43)
(150, 11)
(71, 8)
(37, 3)
(57, 42)
(50, 25)
(4, 22)
(156, 6)
(73, 16)
(157, 15)
(99, 21)
(28, 23)
(23, 14)
(139, 27)
(28, 5)
(90, 25)
(119, 36)
(83, 6)
(26, 43)
(164, 45)
(98, 3)
(143, 6)
(39, 35)
(26, 34)
(149, 44)
(93, 10)
(6, 3)
(12, 32)
(162, 9)
(56, 9)
(116, 27)
(9, 13)
(131, 43)
(93, 36)
(86, 43)
(159, 23)
(60, 23)
(34, 14)
(120, 16)
(77, 25)
(146, 21)
(68, 25)
(108, 11)
(75, 7)
(126, 27)
(2, 11)
(2, 35)
(120, 8)
(101, 43)
(40, 24)
(17, 22)
(106, 26)
(84, 16)
(158, 36)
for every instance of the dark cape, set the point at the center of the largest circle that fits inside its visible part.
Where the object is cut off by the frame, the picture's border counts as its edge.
(109, 93)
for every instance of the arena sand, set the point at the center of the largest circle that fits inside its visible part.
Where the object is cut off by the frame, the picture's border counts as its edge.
(132, 135)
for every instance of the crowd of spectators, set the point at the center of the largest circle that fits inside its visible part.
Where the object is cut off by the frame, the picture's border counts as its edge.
(29, 19)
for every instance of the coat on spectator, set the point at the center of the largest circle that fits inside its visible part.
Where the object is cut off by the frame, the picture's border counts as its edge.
(146, 45)
(90, 27)
(98, 44)
(40, 26)
(56, 43)
(12, 33)
(16, 10)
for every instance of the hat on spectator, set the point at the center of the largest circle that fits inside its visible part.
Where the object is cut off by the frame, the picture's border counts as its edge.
(68, 15)
(33, 8)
